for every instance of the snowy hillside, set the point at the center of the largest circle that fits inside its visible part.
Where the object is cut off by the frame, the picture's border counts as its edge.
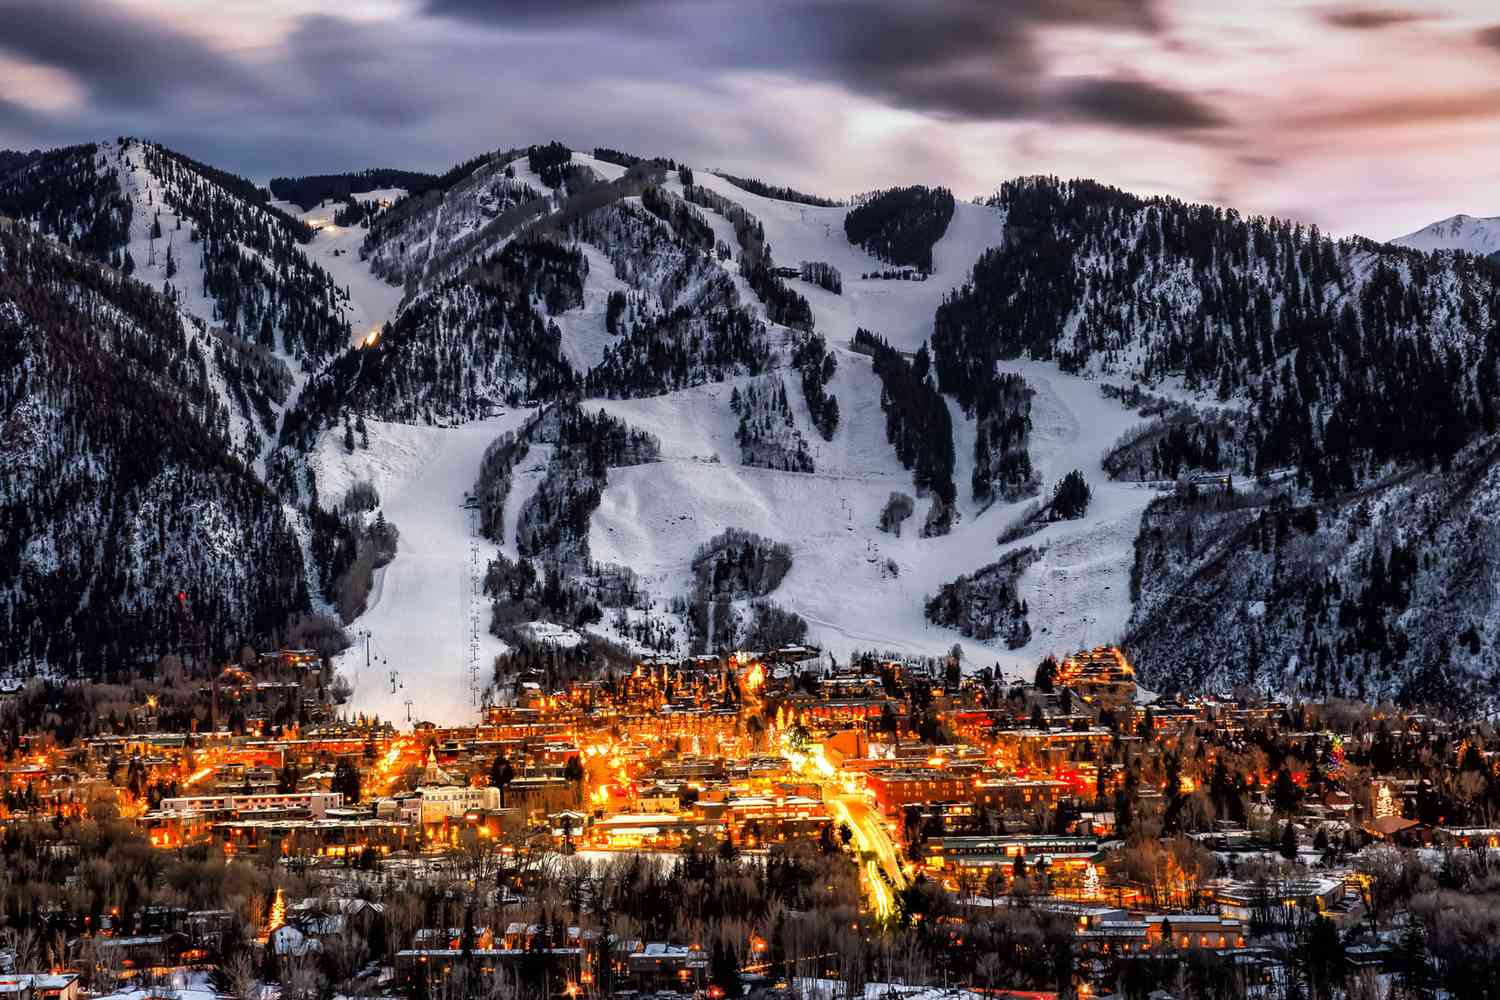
(1478, 236)
(426, 620)
(123, 476)
(856, 587)
(628, 366)
(336, 249)
(654, 516)
(900, 311)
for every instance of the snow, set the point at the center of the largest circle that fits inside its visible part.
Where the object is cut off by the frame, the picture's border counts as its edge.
(584, 336)
(652, 517)
(900, 311)
(1460, 232)
(606, 171)
(426, 620)
(551, 634)
(372, 302)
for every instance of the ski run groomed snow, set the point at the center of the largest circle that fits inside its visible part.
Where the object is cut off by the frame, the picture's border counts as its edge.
(427, 622)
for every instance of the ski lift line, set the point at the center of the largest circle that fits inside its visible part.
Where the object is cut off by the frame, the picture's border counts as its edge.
(1170, 596)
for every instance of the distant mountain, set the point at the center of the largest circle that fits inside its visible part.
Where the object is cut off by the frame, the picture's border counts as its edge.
(1477, 236)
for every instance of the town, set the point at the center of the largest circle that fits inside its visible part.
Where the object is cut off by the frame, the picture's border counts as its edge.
(763, 823)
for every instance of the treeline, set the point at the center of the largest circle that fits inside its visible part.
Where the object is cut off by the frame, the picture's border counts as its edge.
(549, 161)
(817, 367)
(1002, 459)
(681, 324)
(767, 434)
(553, 525)
(783, 304)
(685, 221)
(738, 565)
(311, 191)
(457, 352)
(233, 184)
(683, 348)
(1181, 441)
(14, 159)
(496, 475)
(536, 267)
(917, 422)
(898, 507)
(469, 210)
(824, 275)
(264, 288)
(765, 190)
(624, 159)
(72, 193)
(901, 225)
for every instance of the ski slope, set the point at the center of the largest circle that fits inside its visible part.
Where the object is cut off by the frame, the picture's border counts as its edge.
(426, 619)
(857, 588)
(653, 517)
(372, 302)
(900, 311)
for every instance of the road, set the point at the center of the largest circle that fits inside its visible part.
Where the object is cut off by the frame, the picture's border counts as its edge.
(882, 855)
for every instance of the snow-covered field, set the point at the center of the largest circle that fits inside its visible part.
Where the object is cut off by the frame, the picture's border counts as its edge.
(653, 517)
(426, 620)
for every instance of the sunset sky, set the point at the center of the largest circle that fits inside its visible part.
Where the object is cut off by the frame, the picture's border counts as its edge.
(1360, 118)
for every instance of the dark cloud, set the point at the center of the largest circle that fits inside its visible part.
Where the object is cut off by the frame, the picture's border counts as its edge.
(351, 70)
(511, 11)
(123, 60)
(1137, 104)
(964, 60)
(1372, 19)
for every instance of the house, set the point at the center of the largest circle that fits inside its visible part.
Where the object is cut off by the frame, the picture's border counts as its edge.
(289, 942)
(150, 951)
(39, 986)
(451, 938)
(660, 965)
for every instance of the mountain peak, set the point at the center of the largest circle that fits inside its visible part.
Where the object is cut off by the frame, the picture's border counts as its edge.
(1474, 234)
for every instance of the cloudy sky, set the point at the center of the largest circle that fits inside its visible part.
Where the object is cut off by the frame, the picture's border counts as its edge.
(1372, 119)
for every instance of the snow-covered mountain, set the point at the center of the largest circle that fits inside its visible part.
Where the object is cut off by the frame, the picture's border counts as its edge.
(124, 478)
(578, 383)
(1478, 236)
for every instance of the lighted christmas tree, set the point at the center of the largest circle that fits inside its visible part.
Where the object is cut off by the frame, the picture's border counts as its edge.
(278, 912)
(1091, 882)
